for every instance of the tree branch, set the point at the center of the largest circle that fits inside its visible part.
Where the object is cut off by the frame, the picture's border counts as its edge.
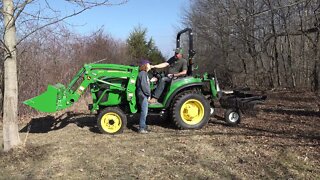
(277, 8)
(86, 6)
(4, 46)
(21, 7)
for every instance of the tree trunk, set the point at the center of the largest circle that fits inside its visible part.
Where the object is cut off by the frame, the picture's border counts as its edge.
(316, 68)
(10, 101)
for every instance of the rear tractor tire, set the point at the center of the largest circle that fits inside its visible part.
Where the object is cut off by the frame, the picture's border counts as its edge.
(191, 110)
(232, 117)
(111, 120)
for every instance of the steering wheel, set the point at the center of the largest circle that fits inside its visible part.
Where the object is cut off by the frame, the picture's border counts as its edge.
(157, 74)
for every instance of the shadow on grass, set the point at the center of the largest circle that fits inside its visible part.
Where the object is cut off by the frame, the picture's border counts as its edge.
(296, 112)
(50, 123)
(266, 130)
(152, 120)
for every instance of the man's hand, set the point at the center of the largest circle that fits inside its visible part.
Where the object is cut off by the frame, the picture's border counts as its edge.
(170, 76)
(153, 79)
(149, 98)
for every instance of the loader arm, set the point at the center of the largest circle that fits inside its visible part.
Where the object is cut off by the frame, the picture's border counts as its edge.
(58, 97)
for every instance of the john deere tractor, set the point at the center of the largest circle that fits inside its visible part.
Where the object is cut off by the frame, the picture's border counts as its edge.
(188, 101)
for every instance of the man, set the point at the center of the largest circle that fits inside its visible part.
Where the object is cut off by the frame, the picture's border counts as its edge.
(177, 67)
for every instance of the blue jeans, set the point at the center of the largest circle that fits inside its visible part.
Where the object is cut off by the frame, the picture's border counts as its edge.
(162, 84)
(143, 100)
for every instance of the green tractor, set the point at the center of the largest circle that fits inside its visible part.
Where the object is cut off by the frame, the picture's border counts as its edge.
(188, 101)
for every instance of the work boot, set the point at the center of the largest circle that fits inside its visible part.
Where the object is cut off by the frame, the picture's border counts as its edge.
(153, 101)
(143, 131)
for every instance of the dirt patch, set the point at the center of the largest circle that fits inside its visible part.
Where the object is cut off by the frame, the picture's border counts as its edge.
(281, 141)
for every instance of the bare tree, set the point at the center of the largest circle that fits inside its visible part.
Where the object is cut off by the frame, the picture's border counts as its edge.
(55, 54)
(271, 44)
(15, 15)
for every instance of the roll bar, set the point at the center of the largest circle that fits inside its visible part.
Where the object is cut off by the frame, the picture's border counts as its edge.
(191, 51)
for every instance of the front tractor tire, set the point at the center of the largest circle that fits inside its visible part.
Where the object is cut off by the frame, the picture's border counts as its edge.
(111, 120)
(191, 110)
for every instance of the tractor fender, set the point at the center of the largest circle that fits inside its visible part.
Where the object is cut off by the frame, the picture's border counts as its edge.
(180, 89)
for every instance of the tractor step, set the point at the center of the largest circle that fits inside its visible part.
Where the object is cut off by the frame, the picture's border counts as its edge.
(156, 105)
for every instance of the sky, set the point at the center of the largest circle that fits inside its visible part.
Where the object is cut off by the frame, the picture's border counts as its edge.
(161, 18)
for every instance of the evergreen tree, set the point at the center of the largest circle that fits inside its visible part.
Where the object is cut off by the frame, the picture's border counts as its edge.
(154, 54)
(139, 48)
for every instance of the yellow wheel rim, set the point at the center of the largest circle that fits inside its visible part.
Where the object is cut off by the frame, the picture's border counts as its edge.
(111, 122)
(192, 111)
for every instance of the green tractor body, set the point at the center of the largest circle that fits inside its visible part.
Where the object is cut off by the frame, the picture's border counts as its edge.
(114, 81)
(189, 100)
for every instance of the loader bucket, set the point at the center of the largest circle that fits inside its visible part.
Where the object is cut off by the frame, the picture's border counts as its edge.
(47, 101)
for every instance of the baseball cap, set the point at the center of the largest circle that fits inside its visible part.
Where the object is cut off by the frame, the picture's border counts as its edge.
(178, 51)
(144, 61)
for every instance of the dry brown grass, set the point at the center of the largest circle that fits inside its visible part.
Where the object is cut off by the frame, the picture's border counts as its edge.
(281, 142)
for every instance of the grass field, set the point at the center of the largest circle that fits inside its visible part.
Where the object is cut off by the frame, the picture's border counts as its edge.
(281, 142)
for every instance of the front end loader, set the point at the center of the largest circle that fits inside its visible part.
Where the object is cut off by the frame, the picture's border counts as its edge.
(111, 85)
(188, 101)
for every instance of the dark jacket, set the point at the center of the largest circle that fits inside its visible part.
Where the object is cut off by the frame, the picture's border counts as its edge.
(143, 84)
